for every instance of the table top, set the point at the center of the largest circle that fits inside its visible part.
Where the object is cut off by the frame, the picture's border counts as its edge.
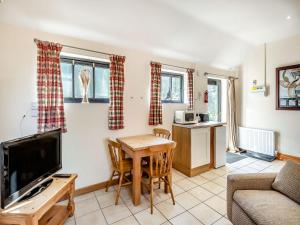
(143, 141)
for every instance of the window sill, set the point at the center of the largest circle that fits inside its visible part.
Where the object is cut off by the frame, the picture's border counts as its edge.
(79, 100)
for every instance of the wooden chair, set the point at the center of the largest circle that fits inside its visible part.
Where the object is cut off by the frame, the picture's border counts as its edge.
(159, 168)
(121, 167)
(160, 132)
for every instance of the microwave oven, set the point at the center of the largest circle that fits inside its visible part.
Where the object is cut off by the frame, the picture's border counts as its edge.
(185, 117)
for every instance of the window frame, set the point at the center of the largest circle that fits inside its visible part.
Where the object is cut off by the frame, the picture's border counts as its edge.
(170, 75)
(81, 61)
(217, 82)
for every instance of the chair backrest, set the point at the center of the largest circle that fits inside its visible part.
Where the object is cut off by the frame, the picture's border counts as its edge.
(115, 149)
(160, 132)
(161, 160)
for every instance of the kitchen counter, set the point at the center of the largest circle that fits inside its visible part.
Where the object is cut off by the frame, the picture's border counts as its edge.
(196, 146)
(200, 125)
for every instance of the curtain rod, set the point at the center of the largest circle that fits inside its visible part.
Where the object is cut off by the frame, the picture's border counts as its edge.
(78, 48)
(219, 75)
(165, 64)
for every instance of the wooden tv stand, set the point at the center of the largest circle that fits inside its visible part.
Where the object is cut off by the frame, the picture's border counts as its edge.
(42, 209)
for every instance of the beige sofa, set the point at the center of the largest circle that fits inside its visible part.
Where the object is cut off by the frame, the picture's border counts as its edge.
(251, 200)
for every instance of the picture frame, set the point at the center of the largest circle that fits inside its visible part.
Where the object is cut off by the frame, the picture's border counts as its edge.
(288, 87)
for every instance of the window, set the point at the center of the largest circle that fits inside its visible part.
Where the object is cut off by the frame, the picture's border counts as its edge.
(99, 80)
(171, 87)
(214, 100)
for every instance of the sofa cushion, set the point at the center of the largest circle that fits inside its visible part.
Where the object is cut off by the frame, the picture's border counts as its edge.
(268, 207)
(287, 181)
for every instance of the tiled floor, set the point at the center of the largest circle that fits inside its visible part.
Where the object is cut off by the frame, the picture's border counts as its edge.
(199, 200)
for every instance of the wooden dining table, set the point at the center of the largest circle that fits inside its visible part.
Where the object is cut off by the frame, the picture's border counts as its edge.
(137, 147)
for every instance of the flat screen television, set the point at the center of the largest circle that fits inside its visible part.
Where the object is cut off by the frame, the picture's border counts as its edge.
(27, 161)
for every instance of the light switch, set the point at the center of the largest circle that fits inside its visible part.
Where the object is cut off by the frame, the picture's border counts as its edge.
(34, 109)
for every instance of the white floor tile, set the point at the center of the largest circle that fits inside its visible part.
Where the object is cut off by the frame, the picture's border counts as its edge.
(166, 223)
(212, 187)
(127, 221)
(221, 171)
(70, 221)
(177, 190)
(94, 218)
(258, 165)
(84, 197)
(102, 191)
(223, 194)
(187, 201)
(200, 193)
(169, 210)
(186, 184)
(159, 195)
(220, 181)
(177, 177)
(205, 214)
(146, 218)
(107, 199)
(145, 204)
(218, 204)
(223, 221)
(209, 175)
(86, 206)
(185, 219)
(198, 180)
(115, 213)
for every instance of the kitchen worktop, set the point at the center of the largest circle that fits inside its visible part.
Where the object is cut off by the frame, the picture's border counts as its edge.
(200, 125)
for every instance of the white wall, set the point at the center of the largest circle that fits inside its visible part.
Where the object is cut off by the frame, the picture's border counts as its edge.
(84, 149)
(258, 111)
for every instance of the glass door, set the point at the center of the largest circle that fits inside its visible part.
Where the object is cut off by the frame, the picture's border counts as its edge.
(214, 99)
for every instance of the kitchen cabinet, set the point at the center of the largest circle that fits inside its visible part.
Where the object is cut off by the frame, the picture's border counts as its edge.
(195, 150)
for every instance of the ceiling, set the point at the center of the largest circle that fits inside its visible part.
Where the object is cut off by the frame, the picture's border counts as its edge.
(214, 32)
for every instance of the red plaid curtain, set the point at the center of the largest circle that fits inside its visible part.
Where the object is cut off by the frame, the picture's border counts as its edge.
(115, 117)
(51, 113)
(190, 87)
(155, 114)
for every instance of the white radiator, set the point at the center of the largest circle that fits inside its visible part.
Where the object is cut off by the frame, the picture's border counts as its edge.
(257, 140)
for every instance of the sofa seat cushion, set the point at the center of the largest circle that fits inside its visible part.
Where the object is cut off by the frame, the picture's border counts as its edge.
(268, 207)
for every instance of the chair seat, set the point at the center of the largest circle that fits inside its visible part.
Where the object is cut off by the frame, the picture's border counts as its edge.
(268, 207)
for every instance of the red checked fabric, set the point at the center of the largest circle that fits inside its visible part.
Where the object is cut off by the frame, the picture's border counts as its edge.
(115, 116)
(190, 88)
(155, 114)
(51, 113)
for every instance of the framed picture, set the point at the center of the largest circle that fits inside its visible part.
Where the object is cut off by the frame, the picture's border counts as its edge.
(288, 88)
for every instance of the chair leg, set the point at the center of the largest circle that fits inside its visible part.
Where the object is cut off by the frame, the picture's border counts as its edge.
(119, 188)
(171, 190)
(110, 181)
(158, 183)
(151, 194)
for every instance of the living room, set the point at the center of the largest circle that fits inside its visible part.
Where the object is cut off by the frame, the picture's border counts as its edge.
(248, 52)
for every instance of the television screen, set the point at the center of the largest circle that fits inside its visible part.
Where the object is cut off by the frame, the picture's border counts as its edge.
(27, 161)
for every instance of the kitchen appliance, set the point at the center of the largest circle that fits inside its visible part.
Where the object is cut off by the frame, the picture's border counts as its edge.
(28, 162)
(185, 117)
(220, 146)
(203, 117)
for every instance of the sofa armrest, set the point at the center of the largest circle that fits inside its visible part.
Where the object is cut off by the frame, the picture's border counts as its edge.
(250, 181)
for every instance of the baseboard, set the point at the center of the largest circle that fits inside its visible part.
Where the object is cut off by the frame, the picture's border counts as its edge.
(93, 187)
(281, 156)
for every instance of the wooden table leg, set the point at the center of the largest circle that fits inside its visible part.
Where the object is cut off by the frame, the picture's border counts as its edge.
(71, 204)
(136, 183)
